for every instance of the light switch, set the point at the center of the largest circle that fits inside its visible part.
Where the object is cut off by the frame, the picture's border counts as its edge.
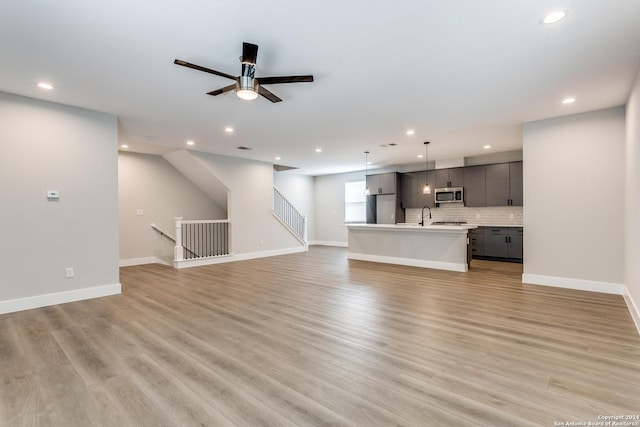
(139, 212)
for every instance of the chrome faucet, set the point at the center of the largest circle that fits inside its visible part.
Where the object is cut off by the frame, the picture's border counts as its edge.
(422, 216)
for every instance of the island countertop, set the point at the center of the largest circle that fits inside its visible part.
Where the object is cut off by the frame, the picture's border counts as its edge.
(444, 247)
(414, 227)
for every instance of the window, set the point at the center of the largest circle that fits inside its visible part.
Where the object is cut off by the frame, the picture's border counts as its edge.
(354, 202)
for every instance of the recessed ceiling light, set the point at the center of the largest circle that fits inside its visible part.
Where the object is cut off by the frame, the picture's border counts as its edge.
(486, 147)
(318, 150)
(228, 129)
(411, 132)
(44, 85)
(420, 156)
(124, 146)
(568, 100)
(277, 157)
(190, 142)
(554, 16)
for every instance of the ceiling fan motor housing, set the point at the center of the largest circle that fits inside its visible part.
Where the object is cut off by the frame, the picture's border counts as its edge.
(247, 78)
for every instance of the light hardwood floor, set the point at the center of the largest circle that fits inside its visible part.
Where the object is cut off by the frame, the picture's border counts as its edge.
(314, 339)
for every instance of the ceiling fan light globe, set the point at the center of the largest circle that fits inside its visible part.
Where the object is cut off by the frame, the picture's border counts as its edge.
(247, 94)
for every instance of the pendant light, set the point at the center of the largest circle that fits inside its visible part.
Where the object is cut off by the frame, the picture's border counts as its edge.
(426, 189)
(367, 192)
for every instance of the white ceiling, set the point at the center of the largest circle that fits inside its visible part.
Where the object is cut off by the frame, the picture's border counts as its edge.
(461, 73)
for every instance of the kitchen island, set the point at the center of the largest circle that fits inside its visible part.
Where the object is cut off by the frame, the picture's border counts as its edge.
(444, 247)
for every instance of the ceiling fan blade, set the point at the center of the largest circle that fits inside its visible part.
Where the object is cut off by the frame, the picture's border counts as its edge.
(249, 53)
(222, 90)
(284, 79)
(205, 69)
(270, 96)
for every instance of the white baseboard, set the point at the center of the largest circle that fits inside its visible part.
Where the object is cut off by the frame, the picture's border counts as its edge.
(633, 308)
(37, 301)
(578, 284)
(237, 257)
(450, 266)
(141, 261)
(328, 243)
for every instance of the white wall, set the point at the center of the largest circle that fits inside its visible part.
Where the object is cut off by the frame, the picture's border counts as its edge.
(150, 184)
(574, 201)
(329, 203)
(632, 217)
(48, 146)
(299, 190)
(255, 231)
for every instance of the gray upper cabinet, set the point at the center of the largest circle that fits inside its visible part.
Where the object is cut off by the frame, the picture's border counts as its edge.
(411, 185)
(515, 183)
(484, 185)
(382, 183)
(504, 184)
(408, 189)
(453, 177)
(474, 186)
(497, 184)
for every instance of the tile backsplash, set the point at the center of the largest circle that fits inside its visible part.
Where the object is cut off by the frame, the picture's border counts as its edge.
(498, 215)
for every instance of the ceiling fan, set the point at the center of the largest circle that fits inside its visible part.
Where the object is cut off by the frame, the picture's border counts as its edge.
(247, 85)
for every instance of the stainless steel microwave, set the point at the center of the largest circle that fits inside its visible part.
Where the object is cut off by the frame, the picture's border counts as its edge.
(449, 195)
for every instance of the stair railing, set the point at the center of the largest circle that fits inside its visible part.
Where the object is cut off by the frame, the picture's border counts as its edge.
(284, 210)
(166, 236)
(201, 239)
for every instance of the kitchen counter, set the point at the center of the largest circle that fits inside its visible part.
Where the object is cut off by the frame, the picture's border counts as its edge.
(444, 247)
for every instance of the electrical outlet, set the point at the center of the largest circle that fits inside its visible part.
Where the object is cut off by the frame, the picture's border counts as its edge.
(261, 242)
(510, 216)
(69, 272)
(477, 216)
(139, 212)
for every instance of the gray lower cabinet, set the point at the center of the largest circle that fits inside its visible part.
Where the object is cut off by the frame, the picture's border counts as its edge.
(516, 243)
(501, 243)
(476, 241)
